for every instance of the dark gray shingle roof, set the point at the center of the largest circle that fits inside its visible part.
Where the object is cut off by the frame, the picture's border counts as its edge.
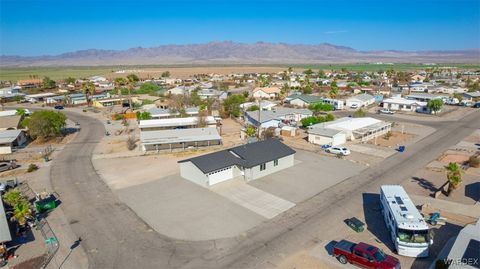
(248, 155)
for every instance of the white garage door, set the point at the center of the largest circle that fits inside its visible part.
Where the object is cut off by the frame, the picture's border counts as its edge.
(339, 139)
(221, 175)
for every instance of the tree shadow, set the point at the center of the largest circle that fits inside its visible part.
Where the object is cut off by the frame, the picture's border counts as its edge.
(472, 191)
(422, 182)
(441, 235)
(374, 219)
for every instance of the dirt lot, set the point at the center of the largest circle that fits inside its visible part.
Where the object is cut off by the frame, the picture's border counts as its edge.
(396, 138)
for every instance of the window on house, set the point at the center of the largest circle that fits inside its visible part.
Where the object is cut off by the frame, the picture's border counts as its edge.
(262, 166)
(275, 162)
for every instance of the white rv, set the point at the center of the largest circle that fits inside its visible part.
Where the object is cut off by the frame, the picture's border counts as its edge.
(407, 228)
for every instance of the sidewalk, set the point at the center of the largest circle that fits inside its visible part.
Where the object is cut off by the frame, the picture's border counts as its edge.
(452, 207)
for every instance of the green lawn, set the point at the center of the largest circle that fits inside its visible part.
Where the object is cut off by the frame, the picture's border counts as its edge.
(377, 67)
(57, 73)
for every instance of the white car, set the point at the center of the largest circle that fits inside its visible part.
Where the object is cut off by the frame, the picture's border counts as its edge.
(386, 111)
(338, 150)
(354, 106)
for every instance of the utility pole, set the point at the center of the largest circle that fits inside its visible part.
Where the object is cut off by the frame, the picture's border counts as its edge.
(259, 122)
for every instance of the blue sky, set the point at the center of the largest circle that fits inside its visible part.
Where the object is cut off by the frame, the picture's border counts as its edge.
(41, 27)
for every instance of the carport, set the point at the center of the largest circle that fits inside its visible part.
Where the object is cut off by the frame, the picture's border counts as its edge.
(372, 131)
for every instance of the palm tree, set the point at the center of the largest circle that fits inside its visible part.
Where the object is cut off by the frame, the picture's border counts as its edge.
(21, 212)
(131, 79)
(12, 197)
(119, 82)
(454, 176)
(88, 89)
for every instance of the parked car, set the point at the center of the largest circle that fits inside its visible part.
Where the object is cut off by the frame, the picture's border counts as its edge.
(354, 106)
(58, 107)
(364, 255)
(338, 150)
(476, 105)
(386, 111)
(466, 103)
(7, 165)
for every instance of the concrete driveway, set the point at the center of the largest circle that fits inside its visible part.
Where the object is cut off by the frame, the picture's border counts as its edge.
(311, 174)
(180, 209)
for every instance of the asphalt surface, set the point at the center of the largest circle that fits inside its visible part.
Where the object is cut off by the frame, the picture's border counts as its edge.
(114, 237)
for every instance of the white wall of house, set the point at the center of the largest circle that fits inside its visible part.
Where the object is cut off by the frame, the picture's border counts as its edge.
(190, 171)
(361, 103)
(262, 94)
(255, 172)
(298, 102)
(402, 107)
(5, 149)
(336, 140)
(270, 123)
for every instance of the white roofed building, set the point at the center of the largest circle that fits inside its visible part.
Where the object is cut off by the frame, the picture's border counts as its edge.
(362, 129)
(175, 123)
(179, 139)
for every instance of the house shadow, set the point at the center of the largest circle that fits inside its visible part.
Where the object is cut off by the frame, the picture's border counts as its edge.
(472, 191)
(329, 247)
(441, 235)
(374, 219)
(422, 182)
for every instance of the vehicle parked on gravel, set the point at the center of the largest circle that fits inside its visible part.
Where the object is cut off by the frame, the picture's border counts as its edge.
(386, 111)
(338, 150)
(364, 255)
(7, 165)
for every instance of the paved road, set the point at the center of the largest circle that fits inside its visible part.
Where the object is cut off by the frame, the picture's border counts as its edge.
(316, 219)
(114, 237)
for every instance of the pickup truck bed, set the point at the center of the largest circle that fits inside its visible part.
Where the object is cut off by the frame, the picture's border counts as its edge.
(345, 245)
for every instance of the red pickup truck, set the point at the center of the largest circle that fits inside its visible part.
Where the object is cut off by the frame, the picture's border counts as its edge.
(364, 255)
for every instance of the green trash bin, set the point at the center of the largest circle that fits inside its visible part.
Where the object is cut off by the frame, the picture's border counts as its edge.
(355, 224)
(46, 204)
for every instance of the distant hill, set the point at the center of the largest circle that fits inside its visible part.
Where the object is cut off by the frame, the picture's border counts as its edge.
(240, 53)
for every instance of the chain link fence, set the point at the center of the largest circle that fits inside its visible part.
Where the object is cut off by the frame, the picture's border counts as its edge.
(42, 225)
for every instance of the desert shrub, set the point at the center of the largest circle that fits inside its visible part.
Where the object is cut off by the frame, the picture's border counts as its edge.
(474, 161)
(32, 167)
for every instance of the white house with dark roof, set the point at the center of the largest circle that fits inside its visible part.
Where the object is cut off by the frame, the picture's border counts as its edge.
(249, 161)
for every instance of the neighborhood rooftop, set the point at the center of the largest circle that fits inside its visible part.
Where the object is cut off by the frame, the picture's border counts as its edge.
(276, 113)
(8, 136)
(248, 155)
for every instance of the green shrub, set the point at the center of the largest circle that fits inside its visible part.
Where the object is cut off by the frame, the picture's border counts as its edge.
(32, 167)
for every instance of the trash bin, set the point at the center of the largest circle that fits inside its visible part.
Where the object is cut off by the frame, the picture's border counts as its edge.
(401, 148)
(354, 223)
(46, 204)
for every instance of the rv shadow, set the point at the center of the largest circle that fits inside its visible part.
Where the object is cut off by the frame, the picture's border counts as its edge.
(374, 219)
